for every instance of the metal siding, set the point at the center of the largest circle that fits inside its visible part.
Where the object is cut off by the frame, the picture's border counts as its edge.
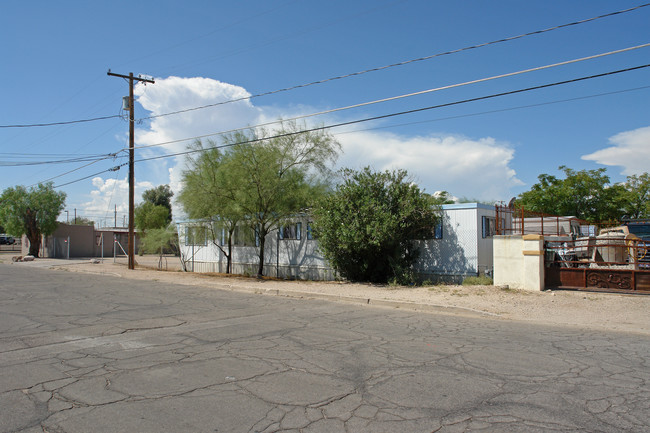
(297, 258)
(454, 254)
(485, 259)
(461, 252)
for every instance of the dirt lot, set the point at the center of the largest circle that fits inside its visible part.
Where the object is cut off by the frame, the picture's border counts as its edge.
(598, 311)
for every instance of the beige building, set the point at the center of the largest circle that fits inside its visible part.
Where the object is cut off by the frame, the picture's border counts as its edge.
(75, 241)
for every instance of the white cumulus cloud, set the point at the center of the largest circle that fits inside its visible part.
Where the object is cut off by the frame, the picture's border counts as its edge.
(473, 168)
(110, 195)
(629, 149)
(477, 169)
(176, 94)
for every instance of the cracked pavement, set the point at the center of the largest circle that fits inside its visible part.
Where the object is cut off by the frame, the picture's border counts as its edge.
(83, 353)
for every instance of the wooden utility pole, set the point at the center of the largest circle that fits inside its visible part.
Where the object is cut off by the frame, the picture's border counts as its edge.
(131, 78)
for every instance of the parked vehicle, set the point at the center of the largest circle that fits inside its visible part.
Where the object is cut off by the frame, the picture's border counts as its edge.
(6, 240)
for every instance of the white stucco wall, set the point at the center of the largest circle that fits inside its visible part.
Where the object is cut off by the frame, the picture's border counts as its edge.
(519, 262)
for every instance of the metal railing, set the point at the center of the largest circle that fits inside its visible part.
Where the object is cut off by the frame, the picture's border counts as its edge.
(519, 221)
(598, 252)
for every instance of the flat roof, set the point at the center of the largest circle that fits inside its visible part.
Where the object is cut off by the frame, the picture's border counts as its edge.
(461, 206)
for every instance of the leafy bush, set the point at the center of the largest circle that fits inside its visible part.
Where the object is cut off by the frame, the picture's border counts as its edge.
(366, 228)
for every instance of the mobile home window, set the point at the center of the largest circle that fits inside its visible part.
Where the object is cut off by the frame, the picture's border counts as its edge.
(489, 226)
(218, 234)
(437, 231)
(246, 236)
(196, 235)
(291, 231)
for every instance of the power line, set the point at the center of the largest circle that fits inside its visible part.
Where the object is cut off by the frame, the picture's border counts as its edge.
(95, 158)
(70, 122)
(353, 74)
(460, 116)
(401, 113)
(406, 62)
(73, 170)
(368, 119)
(117, 167)
(408, 95)
(20, 155)
(428, 121)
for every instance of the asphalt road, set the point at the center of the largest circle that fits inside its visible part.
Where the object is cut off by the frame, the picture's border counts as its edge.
(87, 353)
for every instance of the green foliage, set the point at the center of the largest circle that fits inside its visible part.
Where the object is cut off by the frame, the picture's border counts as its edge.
(478, 281)
(159, 240)
(585, 194)
(636, 197)
(210, 189)
(150, 216)
(280, 174)
(32, 212)
(81, 221)
(160, 196)
(366, 228)
(261, 178)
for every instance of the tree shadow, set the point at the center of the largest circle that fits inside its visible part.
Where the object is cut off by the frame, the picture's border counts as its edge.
(443, 260)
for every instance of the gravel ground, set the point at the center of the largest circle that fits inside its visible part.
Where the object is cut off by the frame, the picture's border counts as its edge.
(597, 311)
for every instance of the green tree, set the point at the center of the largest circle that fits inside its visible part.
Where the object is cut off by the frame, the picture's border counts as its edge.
(160, 196)
(149, 216)
(637, 196)
(367, 227)
(81, 221)
(31, 212)
(279, 174)
(210, 188)
(160, 240)
(585, 194)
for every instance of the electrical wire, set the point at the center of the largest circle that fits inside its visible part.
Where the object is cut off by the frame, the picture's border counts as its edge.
(110, 200)
(519, 107)
(401, 113)
(380, 68)
(70, 122)
(96, 158)
(117, 167)
(423, 121)
(76, 169)
(406, 62)
(19, 155)
(368, 119)
(408, 95)
(268, 42)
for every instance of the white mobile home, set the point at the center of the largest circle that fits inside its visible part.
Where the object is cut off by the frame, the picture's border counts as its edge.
(462, 247)
(290, 251)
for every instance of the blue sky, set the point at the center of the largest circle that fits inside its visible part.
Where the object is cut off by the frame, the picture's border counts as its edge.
(56, 55)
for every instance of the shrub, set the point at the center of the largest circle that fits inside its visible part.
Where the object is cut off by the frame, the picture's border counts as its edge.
(366, 228)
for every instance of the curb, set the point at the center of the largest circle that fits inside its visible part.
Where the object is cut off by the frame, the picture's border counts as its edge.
(431, 308)
(298, 294)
